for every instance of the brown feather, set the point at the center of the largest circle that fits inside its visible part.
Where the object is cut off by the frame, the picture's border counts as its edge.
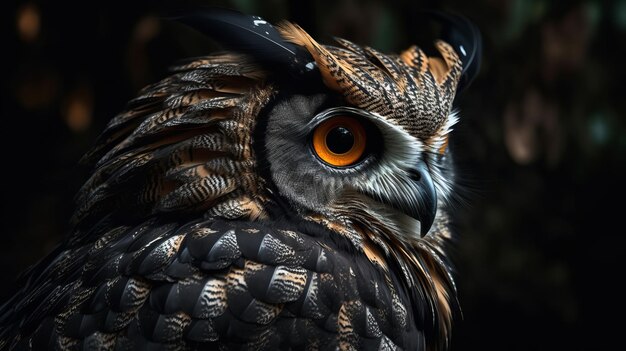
(332, 70)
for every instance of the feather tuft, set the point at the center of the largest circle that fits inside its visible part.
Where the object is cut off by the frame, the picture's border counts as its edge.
(463, 35)
(330, 68)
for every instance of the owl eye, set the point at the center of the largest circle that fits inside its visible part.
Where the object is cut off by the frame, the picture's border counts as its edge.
(339, 141)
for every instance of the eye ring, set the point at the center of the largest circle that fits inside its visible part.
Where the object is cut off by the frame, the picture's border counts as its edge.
(339, 127)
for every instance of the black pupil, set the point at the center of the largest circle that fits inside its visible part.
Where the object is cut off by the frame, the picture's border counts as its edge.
(339, 140)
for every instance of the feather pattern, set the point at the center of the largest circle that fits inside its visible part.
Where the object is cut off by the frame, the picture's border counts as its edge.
(180, 241)
(202, 117)
(190, 286)
(413, 90)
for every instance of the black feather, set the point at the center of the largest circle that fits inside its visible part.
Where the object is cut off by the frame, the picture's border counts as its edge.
(253, 36)
(466, 40)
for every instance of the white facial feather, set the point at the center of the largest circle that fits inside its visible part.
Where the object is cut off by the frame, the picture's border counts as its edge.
(315, 186)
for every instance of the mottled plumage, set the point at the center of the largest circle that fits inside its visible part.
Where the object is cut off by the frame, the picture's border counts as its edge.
(209, 223)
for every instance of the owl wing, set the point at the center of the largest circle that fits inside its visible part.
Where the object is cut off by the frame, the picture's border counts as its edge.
(208, 284)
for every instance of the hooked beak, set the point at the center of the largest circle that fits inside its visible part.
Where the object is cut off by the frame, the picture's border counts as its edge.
(426, 207)
(415, 197)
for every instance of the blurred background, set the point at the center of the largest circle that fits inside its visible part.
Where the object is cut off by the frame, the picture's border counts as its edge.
(541, 146)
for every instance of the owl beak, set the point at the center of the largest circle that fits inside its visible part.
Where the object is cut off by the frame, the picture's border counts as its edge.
(420, 202)
(426, 207)
(415, 196)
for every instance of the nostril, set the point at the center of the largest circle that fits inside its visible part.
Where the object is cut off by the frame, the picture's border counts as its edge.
(416, 175)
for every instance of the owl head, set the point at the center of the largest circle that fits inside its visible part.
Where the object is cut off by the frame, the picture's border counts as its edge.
(373, 138)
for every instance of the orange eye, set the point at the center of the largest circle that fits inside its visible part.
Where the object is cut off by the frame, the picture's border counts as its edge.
(339, 141)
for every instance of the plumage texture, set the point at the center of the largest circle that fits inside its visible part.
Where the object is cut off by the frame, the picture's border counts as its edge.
(207, 223)
(411, 90)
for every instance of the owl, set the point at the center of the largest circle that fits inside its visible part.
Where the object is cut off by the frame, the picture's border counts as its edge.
(283, 194)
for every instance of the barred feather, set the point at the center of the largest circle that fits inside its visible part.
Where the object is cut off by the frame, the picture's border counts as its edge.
(181, 127)
(180, 241)
(413, 90)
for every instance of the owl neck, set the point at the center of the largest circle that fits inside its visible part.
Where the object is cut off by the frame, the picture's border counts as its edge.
(418, 265)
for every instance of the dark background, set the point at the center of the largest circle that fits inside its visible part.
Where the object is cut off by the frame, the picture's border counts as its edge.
(541, 146)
